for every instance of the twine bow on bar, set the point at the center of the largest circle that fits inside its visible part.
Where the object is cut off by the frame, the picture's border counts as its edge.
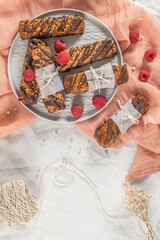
(96, 78)
(48, 77)
(127, 114)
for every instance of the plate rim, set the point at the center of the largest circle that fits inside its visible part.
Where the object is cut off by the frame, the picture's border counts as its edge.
(9, 70)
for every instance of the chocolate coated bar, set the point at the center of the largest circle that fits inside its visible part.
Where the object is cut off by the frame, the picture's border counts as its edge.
(29, 91)
(88, 53)
(78, 82)
(109, 131)
(51, 27)
(42, 57)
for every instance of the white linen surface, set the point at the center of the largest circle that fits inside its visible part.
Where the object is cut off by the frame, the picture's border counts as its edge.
(71, 213)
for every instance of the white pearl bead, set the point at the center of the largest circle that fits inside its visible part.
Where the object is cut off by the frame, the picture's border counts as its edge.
(133, 68)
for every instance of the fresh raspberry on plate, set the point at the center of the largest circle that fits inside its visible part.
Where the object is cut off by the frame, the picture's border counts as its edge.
(76, 110)
(134, 37)
(29, 74)
(150, 54)
(63, 58)
(144, 75)
(99, 101)
(59, 45)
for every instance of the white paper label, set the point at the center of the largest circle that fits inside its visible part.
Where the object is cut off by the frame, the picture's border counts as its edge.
(122, 121)
(105, 71)
(55, 84)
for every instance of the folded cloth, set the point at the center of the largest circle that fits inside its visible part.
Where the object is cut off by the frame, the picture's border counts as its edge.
(122, 17)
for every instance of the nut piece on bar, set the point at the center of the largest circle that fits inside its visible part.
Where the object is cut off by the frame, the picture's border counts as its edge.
(109, 131)
(88, 53)
(51, 27)
(29, 91)
(42, 57)
(77, 82)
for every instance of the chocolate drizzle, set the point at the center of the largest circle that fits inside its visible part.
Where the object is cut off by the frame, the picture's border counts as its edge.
(62, 24)
(30, 29)
(25, 25)
(72, 81)
(138, 103)
(29, 99)
(87, 51)
(55, 102)
(49, 28)
(44, 58)
(48, 54)
(110, 44)
(32, 84)
(83, 79)
(75, 79)
(109, 131)
(76, 24)
(69, 86)
(35, 29)
(123, 76)
(107, 42)
(28, 58)
(38, 64)
(43, 25)
(33, 42)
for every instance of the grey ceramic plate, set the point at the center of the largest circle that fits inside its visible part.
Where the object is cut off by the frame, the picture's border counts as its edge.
(94, 30)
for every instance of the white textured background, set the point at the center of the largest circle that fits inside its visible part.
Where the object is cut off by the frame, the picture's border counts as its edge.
(71, 213)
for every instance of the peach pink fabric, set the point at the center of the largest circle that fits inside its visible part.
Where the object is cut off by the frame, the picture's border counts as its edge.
(121, 16)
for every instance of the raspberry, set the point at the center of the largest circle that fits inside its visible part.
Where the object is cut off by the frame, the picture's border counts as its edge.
(63, 58)
(134, 37)
(29, 74)
(99, 101)
(150, 54)
(76, 110)
(144, 75)
(59, 45)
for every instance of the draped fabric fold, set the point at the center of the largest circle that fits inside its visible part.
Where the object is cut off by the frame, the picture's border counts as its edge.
(121, 16)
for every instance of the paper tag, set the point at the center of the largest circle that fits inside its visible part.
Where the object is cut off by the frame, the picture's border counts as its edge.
(105, 71)
(122, 121)
(55, 84)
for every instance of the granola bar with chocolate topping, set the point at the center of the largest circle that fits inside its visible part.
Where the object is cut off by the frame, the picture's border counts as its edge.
(109, 131)
(51, 27)
(29, 91)
(78, 82)
(42, 57)
(88, 53)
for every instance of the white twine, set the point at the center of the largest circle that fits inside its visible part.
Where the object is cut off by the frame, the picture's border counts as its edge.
(127, 114)
(64, 165)
(17, 205)
(48, 77)
(96, 78)
(59, 183)
(61, 165)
